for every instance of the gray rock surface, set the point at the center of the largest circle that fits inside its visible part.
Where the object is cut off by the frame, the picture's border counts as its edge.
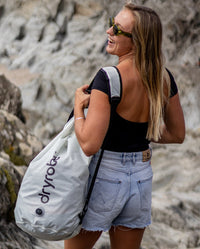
(10, 100)
(48, 49)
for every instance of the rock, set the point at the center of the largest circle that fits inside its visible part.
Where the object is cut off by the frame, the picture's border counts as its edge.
(13, 238)
(10, 182)
(20, 145)
(175, 204)
(46, 100)
(19, 76)
(187, 78)
(10, 98)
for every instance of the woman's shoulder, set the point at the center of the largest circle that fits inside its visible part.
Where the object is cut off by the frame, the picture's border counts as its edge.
(101, 82)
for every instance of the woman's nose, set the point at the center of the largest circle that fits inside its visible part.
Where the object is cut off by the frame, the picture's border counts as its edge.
(110, 31)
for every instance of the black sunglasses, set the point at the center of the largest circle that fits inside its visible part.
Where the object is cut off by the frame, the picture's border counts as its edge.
(116, 29)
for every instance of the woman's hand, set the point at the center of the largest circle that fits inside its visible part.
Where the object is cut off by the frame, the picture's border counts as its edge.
(82, 98)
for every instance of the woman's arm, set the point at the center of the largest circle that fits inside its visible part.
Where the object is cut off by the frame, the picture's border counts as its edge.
(91, 131)
(173, 129)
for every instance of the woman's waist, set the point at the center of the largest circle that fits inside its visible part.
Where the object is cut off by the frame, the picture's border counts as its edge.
(137, 156)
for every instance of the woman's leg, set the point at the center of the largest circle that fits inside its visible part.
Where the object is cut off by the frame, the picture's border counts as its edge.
(84, 240)
(125, 238)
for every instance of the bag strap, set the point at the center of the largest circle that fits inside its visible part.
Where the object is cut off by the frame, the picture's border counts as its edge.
(114, 82)
(82, 214)
(115, 92)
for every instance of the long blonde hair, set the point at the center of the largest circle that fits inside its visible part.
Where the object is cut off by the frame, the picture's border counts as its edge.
(147, 39)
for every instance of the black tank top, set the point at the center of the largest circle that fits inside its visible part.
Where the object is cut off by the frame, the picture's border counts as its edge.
(124, 135)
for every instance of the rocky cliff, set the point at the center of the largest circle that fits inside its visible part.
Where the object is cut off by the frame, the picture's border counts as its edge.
(48, 49)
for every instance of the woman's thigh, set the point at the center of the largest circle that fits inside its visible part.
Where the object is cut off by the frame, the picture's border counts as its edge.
(85, 239)
(125, 238)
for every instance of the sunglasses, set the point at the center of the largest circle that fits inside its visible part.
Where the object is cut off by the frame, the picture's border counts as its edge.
(116, 29)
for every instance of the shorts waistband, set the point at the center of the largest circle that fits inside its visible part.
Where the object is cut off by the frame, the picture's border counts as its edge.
(142, 156)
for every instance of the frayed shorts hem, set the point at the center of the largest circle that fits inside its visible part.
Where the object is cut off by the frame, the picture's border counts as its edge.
(131, 226)
(115, 226)
(96, 229)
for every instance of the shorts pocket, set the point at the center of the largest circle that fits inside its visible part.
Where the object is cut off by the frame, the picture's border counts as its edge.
(104, 194)
(145, 189)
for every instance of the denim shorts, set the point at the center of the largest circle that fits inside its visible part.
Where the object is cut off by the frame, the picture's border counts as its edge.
(122, 192)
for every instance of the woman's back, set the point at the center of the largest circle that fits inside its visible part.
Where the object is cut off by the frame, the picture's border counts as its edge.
(134, 105)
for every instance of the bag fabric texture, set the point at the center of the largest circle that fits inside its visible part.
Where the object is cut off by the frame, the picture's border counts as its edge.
(51, 200)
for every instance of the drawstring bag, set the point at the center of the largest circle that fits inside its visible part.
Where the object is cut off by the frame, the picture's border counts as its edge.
(52, 199)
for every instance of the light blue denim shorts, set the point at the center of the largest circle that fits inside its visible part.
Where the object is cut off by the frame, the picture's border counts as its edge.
(122, 192)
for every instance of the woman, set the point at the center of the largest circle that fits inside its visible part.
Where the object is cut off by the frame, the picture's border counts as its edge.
(149, 110)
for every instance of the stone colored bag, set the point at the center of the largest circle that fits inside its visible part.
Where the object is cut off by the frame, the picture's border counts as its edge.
(51, 201)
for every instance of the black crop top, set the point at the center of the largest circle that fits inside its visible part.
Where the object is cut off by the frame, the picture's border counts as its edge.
(124, 135)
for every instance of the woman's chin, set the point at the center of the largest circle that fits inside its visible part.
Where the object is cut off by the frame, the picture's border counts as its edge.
(109, 50)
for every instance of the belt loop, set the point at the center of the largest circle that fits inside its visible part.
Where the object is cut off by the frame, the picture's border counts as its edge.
(134, 157)
(123, 158)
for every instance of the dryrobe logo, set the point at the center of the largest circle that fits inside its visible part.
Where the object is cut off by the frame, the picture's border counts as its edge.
(48, 181)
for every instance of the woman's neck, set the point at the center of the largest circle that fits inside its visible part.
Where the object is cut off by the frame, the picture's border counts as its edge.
(127, 58)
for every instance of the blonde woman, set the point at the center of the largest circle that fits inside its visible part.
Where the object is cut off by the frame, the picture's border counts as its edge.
(149, 110)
